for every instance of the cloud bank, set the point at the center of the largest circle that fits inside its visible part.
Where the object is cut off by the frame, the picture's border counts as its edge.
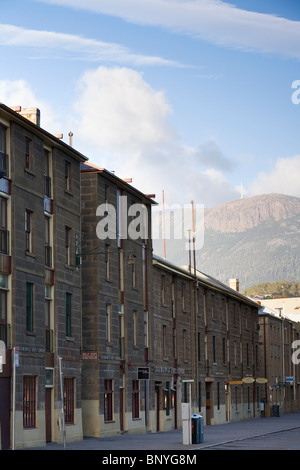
(124, 123)
(72, 46)
(211, 20)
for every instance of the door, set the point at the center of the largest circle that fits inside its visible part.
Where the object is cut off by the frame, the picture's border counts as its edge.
(157, 400)
(5, 412)
(209, 404)
(48, 414)
(228, 402)
(121, 398)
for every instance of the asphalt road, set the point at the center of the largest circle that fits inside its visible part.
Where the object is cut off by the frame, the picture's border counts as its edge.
(274, 433)
(281, 440)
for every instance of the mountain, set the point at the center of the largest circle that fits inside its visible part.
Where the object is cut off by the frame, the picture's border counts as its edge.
(255, 239)
(275, 290)
(244, 214)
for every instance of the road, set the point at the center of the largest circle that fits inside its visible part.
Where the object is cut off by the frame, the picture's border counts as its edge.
(280, 440)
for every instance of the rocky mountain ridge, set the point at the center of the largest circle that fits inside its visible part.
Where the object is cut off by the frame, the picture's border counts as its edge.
(244, 214)
(256, 239)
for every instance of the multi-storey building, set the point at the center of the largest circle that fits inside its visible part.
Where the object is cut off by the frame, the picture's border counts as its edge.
(99, 336)
(116, 253)
(40, 309)
(206, 335)
(279, 342)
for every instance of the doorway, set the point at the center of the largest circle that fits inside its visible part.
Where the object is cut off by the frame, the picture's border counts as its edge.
(5, 412)
(228, 402)
(48, 414)
(121, 404)
(209, 403)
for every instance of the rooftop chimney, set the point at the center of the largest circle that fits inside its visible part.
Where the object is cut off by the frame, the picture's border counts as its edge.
(234, 284)
(32, 114)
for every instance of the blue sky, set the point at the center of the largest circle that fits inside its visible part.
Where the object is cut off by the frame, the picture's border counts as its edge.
(189, 97)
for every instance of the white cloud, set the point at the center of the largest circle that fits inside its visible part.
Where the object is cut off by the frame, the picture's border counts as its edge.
(282, 178)
(19, 93)
(122, 124)
(211, 20)
(120, 112)
(78, 47)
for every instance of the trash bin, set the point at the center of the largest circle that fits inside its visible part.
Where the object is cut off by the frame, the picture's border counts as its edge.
(276, 410)
(197, 428)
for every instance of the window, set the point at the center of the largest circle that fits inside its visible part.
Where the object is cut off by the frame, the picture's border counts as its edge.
(121, 270)
(28, 231)
(69, 399)
(108, 323)
(28, 154)
(106, 194)
(29, 307)
(135, 399)
(173, 299)
(248, 397)
(234, 353)
(224, 349)
(183, 295)
(49, 332)
(67, 176)
(107, 262)
(108, 400)
(214, 349)
(212, 306)
(224, 310)
(47, 178)
(247, 354)
(163, 290)
(2, 139)
(68, 232)
(121, 331)
(3, 226)
(3, 307)
(184, 346)
(48, 248)
(165, 354)
(68, 314)
(135, 328)
(167, 398)
(132, 262)
(146, 333)
(3, 155)
(29, 401)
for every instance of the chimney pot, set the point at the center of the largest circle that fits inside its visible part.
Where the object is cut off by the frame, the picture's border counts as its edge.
(234, 284)
(32, 114)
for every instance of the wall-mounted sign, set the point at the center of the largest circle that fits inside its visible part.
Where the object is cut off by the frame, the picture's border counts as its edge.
(248, 380)
(261, 380)
(143, 373)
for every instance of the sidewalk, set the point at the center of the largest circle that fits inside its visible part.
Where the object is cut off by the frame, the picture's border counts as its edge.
(172, 440)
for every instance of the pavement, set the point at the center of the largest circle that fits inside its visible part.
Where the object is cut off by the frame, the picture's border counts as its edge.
(213, 436)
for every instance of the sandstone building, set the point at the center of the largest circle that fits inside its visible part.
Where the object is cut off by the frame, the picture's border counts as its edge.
(40, 316)
(98, 335)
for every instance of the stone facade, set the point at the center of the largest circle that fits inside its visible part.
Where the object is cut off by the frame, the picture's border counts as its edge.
(205, 334)
(88, 312)
(37, 208)
(116, 272)
(279, 339)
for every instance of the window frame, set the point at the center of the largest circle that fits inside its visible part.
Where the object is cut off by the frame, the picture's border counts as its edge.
(68, 314)
(29, 401)
(29, 307)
